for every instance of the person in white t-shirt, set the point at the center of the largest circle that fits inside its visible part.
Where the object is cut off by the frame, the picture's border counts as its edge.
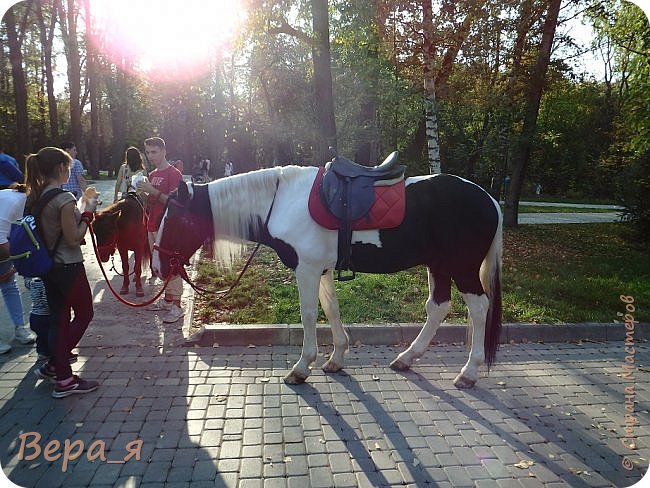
(12, 206)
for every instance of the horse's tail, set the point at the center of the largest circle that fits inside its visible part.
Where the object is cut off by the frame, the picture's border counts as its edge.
(490, 275)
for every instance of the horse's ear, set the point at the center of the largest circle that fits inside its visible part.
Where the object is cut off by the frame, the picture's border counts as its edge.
(183, 192)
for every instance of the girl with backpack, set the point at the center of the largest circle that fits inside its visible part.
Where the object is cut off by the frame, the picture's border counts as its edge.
(62, 227)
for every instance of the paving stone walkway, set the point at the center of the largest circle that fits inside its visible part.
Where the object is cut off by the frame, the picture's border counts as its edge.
(547, 415)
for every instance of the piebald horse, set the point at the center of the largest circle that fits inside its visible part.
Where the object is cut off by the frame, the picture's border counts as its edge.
(451, 225)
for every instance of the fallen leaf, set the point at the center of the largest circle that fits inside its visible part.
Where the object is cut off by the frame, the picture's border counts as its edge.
(265, 380)
(524, 464)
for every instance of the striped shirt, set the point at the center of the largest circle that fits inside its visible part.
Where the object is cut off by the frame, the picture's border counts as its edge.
(73, 183)
(36, 289)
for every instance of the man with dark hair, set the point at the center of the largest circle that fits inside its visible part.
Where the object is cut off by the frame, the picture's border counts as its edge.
(162, 181)
(76, 183)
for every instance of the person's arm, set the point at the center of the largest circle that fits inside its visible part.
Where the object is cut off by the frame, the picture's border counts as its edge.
(118, 183)
(82, 181)
(73, 231)
(152, 191)
(4, 251)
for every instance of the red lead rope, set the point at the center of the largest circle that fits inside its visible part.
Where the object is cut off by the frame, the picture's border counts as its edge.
(126, 302)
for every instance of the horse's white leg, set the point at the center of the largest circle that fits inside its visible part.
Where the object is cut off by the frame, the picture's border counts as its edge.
(438, 305)
(477, 306)
(330, 304)
(308, 280)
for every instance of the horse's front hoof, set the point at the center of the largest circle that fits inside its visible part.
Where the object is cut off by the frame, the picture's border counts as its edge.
(399, 365)
(139, 293)
(463, 382)
(294, 379)
(124, 291)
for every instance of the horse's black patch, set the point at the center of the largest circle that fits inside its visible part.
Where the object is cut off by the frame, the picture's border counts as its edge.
(285, 251)
(449, 226)
(201, 210)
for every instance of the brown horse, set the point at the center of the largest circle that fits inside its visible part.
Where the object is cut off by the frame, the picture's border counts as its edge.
(122, 226)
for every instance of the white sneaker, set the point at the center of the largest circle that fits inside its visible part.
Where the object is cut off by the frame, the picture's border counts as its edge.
(24, 335)
(159, 305)
(4, 348)
(173, 315)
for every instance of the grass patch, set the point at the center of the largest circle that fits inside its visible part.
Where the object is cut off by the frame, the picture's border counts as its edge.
(551, 274)
(538, 209)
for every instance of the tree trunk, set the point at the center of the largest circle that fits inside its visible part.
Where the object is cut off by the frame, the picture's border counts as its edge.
(118, 100)
(506, 115)
(323, 95)
(92, 75)
(68, 18)
(431, 115)
(435, 84)
(46, 33)
(533, 99)
(23, 141)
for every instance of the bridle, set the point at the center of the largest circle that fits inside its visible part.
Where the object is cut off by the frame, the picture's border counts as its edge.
(177, 261)
(111, 246)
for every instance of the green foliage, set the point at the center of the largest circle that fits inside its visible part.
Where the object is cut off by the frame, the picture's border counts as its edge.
(635, 194)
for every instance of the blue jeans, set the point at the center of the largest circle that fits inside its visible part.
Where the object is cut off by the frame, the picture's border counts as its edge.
(45, 328)
(11, 295)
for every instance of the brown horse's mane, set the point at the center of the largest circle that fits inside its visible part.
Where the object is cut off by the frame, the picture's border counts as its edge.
(113, 208)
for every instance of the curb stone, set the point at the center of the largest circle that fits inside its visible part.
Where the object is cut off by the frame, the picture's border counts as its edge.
(390, 334)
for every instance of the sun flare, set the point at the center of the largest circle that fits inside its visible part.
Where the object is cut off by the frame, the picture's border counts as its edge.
(165, 39)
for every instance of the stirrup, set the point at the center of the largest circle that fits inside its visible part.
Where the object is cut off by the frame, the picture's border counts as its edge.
(341, 277)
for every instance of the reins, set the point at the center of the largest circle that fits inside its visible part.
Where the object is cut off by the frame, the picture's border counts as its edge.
(177, 267)
(125, 302)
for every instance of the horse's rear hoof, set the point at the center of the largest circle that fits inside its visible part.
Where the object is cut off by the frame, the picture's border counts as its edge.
(124, 291)
(139, 293)
(463, 382)
(399, 365)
